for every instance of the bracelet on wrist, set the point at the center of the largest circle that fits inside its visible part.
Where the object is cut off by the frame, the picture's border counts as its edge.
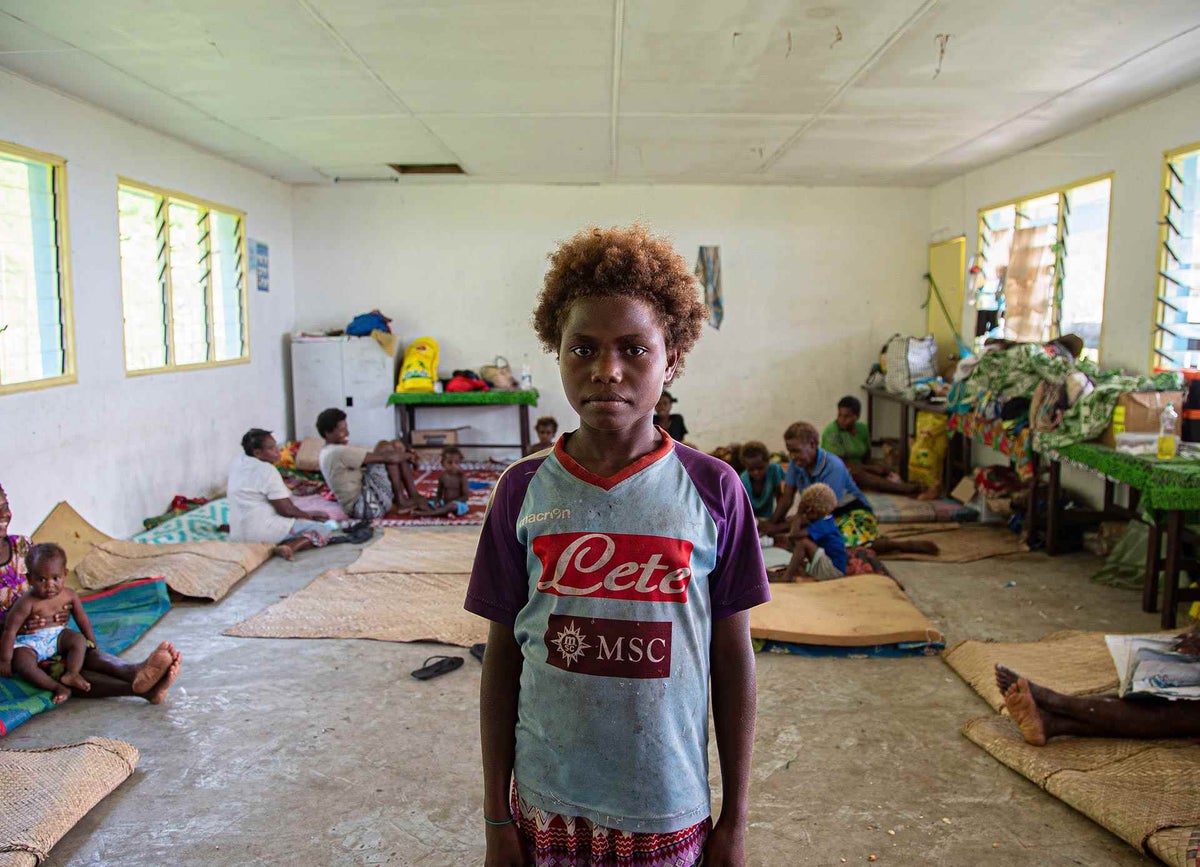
(507, 821)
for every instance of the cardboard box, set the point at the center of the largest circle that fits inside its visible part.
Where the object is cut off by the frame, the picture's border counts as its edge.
(1138, 412)
(436, 437)
(964, 491)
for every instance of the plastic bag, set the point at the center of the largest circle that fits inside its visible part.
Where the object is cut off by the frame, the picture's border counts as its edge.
(928, 449)
(418, 373)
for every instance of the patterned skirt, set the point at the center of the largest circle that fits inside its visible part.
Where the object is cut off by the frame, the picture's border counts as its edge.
(858, 527)
(553, 840)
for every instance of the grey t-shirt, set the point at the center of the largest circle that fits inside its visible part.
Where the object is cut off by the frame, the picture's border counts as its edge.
(342, 467)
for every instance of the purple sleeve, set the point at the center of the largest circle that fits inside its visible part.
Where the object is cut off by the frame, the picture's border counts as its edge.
(499, 586)
(738, 580)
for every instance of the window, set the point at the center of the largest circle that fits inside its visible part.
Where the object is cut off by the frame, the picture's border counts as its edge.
(1177, 301)
(183, 280)
(36, 336)
(1041, 265)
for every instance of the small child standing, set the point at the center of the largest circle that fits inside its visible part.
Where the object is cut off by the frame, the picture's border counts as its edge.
(618, 571)
(821, 553)
(547, 430)
(452, 490)
(20, 654)
(761, 478)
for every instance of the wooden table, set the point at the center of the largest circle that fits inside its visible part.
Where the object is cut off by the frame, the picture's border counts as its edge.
(1148, 480)
(406, 404)
(956, 442)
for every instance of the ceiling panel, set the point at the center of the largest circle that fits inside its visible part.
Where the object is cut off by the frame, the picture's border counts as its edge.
(695, 148)
(498, 57)
(753, 57)
(354, 140)
(710, 90)
(1003, 57)
(508, 147)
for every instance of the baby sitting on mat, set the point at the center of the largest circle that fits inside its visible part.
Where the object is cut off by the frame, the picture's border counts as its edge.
(20, 654)
(452, 490)
(820, 551)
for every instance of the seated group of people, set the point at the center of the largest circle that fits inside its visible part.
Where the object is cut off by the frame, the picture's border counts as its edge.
(828, 471)
(35, 608)
(367, 483)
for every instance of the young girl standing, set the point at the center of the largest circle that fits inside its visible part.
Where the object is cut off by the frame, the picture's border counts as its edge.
(618, 572)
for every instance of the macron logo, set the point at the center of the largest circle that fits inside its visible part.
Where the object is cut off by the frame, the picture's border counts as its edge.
(537, 517)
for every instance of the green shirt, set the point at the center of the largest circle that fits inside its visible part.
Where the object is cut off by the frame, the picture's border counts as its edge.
(853, 448)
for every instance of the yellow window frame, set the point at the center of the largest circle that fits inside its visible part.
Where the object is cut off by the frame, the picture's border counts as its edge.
(208, 206)
(1060, 190)
(1160, 277)
(63, 240)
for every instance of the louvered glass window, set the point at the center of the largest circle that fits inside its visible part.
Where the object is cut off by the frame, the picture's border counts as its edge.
(183, 281)
(35, 319)
(1177, 323)
(1041, 263)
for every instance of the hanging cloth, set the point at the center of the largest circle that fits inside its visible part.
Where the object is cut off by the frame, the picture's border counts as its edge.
(708, 272)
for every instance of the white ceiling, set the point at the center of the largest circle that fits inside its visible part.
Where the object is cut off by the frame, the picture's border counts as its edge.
(600, 91)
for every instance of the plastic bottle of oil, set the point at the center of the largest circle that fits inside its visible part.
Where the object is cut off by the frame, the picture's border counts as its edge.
(1168, 440)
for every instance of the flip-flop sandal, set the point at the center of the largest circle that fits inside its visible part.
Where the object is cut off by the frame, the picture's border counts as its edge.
(477, 651)
(442, 665)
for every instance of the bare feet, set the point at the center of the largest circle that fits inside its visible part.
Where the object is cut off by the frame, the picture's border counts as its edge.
(60, 695)
(285, 552)
(74, 681)
(933, 492)
(158, 693)
(805, 579)
(1018, 698)
(151, 671)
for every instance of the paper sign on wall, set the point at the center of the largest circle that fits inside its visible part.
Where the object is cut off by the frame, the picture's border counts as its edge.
(260, 259)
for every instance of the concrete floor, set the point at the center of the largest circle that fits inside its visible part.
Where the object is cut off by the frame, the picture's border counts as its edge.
(327, 753)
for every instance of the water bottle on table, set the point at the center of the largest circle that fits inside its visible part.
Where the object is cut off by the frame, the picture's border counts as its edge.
(1168, 439)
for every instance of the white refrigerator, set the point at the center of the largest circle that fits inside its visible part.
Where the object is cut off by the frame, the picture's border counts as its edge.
(354, 374)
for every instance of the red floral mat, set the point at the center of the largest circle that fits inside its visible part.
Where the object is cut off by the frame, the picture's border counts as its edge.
(481, 477)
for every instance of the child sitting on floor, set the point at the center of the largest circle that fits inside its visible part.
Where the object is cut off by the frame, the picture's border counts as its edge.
(547, 430)
(20, 654)
(761, 478)
(820, 550)
(452, 490)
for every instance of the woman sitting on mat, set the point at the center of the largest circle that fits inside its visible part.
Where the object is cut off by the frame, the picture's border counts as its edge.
(1042, 713)
(107, 674)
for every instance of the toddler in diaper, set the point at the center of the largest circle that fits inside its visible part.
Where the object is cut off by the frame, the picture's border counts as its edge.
(46, 596)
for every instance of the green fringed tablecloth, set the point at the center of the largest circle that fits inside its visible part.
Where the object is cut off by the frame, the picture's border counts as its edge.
(1173, 484)
(466, 398)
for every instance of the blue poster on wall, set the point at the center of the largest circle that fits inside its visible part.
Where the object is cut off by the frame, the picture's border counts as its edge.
(261, 258)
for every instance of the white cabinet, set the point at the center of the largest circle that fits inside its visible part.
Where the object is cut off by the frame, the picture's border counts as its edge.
(353, 374)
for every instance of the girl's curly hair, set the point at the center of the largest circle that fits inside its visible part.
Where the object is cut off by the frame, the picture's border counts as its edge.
(629, 262)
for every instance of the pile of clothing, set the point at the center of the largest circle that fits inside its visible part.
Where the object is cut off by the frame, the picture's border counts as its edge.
(1043, 389)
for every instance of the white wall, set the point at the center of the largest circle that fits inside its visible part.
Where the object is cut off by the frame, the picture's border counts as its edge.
(815, 280)
(119, 448)
(1130, 144)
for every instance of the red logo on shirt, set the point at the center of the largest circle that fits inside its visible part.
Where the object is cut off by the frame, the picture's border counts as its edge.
(609, 648)
(614, 566)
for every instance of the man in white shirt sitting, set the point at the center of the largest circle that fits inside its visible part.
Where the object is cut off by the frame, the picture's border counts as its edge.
(260, 504)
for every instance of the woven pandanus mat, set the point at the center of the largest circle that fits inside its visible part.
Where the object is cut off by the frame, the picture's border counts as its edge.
(1179, 847)
(43, 793)
(1145, 792)
(206, 570)
(386, 606)
(418, 551)
(1074, 663)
